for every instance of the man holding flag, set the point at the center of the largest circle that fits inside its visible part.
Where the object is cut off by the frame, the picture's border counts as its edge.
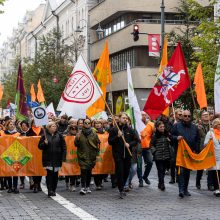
(189, 132)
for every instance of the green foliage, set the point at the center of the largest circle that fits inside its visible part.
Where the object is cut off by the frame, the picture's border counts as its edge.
(199, 38)
(50, 62)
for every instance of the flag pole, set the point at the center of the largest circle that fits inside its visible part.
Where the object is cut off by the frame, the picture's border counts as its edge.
(106, 104)
(194, 103)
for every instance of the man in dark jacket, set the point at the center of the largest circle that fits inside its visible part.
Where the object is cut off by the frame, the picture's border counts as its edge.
(120, 152)
(189, 132)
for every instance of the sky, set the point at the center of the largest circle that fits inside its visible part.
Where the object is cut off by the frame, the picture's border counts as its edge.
(14, 11)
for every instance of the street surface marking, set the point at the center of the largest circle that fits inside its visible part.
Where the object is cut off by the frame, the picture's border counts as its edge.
(79, 212)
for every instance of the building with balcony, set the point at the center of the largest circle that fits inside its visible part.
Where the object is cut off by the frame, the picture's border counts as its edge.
(117, 19)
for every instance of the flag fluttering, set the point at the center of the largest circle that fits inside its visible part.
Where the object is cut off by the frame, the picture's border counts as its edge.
(33, 94)
(200, 87)
(133, 104)
(1, 92)
(217, 87)
(20, 98)
(103, 76)
(164, 60)
(173, 81)
(40, 94)
(80, 92)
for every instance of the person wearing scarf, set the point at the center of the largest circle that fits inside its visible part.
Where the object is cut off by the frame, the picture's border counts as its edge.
(12, 181)
(214, 134)
(87, 143)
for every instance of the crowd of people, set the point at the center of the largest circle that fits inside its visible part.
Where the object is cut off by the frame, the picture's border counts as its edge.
(157, 143)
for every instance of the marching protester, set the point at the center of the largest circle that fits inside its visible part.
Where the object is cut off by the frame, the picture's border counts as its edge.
(10, 129)
(71, 180)
(87, 143)
(214, 134)
(35, 131)
(146, 135)
(204, 127)
(120, 151)
(53, 146)
(189, 132)
(162, 151)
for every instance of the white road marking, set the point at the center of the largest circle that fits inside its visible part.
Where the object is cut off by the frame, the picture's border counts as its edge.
(76, 210)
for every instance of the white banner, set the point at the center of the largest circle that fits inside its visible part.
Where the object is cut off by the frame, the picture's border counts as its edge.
(40, 116)
(50, 110)
(81, 91)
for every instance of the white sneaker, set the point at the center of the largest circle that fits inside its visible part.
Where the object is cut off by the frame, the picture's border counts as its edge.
(88, 190)
(72, 188)
(83, 191)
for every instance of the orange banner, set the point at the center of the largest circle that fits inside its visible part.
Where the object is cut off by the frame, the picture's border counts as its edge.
(21, 157)
(186, 158)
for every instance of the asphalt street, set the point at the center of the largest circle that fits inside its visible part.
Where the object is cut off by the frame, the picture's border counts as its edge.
(147, 202)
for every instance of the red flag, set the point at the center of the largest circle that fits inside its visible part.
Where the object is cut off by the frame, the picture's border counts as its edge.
(173, 81)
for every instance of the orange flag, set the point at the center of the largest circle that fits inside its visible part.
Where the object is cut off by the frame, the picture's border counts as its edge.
(40, 94)
(163, 64)
(103, 76)
(1, 92)
(164, 59)
(200, 87)
(33, 94)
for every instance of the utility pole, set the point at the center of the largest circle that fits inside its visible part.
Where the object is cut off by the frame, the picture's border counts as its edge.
(162, 7)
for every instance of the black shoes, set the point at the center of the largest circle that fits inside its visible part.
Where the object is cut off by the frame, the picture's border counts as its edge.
(211, 188)
(187, 193)
(181, 195)
(147, 181)
(198, 185)
(172, 181)
(161, 186)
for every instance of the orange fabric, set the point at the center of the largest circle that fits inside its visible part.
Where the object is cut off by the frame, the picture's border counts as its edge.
(166, 112)
(27, 161)
(103, 76)
(1, 92)
(164, 59)
(36, 130)
(40, 94)
(104, 161)
(217, 134)
(200, 87)
(33, 94)
(12, 135)
(146, 135)
(186, 158)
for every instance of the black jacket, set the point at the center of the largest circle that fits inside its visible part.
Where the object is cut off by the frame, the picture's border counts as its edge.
(160, 146)
(189, 132)
(118, 148)
(54, 153)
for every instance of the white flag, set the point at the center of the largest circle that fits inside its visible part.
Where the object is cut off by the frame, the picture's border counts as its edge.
(50, 110)
(217, 87)
(81, 91)
(133, 103)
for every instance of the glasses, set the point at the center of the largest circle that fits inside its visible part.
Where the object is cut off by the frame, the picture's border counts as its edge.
(87, 123)
(73, 129)
(186, 116)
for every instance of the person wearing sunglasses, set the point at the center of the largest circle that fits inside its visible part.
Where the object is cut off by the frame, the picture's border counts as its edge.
(87, 143)
(188, 131)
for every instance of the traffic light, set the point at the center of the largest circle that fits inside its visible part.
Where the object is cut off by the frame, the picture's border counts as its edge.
(136, 32)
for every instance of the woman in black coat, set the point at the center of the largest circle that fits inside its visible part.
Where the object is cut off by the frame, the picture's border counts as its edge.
(54, 153)
(162, 152)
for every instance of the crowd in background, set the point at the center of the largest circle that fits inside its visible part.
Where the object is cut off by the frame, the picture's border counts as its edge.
(157, 143)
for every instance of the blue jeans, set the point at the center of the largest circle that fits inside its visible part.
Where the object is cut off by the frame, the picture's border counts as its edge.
(148, 161)
(183, 180)
(132, 173)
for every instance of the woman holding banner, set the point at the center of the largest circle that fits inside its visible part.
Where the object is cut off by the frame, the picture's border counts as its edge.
(53, 146)
(87, 143)
(214, 134)
(10, 129)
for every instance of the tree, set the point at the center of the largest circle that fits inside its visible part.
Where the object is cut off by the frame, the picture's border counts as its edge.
(198, 38)
(1, 4)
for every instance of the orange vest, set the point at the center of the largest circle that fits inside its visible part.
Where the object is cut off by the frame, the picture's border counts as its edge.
(13, 135)
(146, 135)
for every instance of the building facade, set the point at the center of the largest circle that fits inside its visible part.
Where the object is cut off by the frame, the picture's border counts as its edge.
(117, 21)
